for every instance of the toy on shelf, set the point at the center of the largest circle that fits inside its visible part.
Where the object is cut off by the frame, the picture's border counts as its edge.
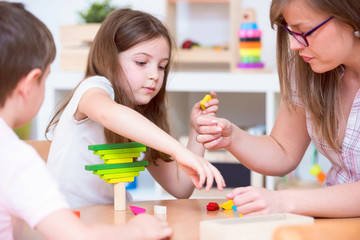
(316, 169)
(250, 41)
(119, 167)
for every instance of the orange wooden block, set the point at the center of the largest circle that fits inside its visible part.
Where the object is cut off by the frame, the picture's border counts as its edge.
(321, 177)
(77, 213)
(250, 44)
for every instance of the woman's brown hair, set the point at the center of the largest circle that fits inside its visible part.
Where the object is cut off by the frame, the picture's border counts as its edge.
(120, 31)
(317, 92)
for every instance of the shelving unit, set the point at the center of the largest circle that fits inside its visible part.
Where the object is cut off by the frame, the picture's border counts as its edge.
(75, 41)
(227, 56)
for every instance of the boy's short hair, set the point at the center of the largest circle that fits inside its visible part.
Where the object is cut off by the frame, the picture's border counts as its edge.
(25, 43)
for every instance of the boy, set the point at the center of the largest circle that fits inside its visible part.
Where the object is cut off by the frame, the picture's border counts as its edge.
(27, 192)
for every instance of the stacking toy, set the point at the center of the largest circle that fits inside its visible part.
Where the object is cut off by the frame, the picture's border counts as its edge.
(250, 41)
(119, 167)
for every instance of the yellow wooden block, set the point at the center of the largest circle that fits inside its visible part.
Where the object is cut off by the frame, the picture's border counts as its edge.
(119, 175)
(121, 150)
(120, 155)
(205, 99)
(120, 160)
(227, 205)
(118, 180)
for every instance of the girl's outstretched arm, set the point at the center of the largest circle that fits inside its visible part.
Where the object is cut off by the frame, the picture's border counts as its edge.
(97, 105)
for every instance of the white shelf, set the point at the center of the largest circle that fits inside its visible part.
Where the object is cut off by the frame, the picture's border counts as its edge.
(223, 82)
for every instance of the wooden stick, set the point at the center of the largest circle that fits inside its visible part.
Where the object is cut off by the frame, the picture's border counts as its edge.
(119, 196)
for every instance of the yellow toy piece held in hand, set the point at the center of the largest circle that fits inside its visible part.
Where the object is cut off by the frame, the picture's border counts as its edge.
(205, 99)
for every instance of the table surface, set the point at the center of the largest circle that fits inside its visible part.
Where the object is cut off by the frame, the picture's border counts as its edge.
(183, 215)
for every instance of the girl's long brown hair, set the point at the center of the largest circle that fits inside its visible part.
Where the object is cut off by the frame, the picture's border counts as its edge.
(121, 30)
(317, 92)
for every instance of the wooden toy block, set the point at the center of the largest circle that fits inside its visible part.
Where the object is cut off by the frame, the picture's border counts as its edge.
(115, 146)
(160, 209)
(227, 205)
(212, 206)
(119, 175)
(113, 166)
(77, 213)
(205, 99)
(119, 180)
(121, 150)
(137, 210)
(253, 228)
(119, 170)
(119, 160)
(120, 155)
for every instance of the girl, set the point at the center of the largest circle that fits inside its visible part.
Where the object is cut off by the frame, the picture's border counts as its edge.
(320, 103)
(123, 98)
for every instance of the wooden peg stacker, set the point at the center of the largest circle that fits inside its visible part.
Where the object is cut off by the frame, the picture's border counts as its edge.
(119, 167)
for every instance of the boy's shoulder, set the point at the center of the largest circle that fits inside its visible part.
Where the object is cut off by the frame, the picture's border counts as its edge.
(12, 148)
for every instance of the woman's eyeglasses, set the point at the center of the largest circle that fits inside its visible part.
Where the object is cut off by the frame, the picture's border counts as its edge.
(301, 37)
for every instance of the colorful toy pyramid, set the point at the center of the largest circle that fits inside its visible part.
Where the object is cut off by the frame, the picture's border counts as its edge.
(119, 167)
(250, 41)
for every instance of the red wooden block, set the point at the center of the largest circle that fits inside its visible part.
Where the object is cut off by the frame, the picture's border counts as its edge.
(77, 213)
(212, 206)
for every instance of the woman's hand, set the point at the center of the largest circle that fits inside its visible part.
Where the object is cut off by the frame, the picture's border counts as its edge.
(253, 201)
(211, 109)
(214, 133)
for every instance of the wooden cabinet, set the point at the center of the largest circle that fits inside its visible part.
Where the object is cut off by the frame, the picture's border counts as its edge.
(75, 42)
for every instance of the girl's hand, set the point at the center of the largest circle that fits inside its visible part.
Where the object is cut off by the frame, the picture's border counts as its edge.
(199, 170)
(253, 201)
(214, 133)
(211, 109)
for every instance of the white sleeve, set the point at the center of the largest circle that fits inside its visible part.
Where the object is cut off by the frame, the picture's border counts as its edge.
(28, 190)
(92, 82)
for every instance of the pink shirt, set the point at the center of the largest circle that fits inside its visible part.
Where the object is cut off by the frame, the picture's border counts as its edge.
(345, 164)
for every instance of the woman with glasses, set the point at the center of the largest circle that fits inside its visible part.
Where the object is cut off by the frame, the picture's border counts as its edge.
(318, 56)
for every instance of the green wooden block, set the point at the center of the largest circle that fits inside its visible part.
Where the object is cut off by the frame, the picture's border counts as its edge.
(119, 175)
(120, 155)
(119, 170)
(117, 165)
(118, 180)
(121, 160)
(115, 146)
(121, 150)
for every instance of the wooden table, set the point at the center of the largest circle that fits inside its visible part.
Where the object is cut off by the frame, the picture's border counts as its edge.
(184, 217)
